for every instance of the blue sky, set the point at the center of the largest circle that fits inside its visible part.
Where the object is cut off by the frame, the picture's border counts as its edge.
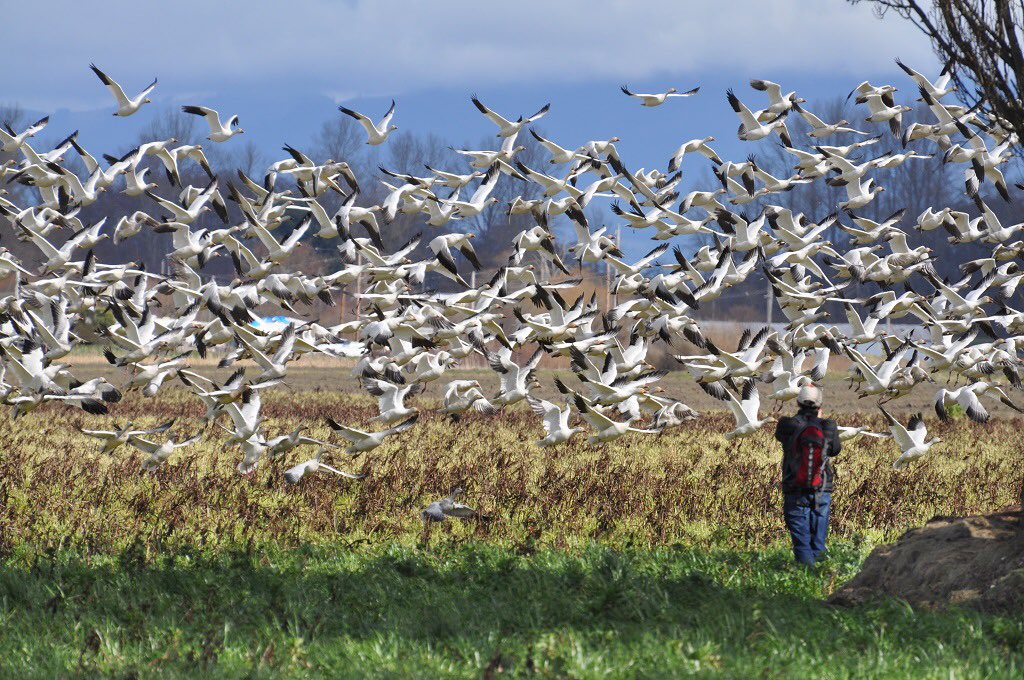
(284, 67)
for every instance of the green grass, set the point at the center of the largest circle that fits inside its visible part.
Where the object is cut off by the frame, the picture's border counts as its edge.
(457, 610)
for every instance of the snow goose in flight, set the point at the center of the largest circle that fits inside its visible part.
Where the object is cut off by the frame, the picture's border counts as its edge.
(620, 389)
(508, 128)
(439, 511)
(591, 246)
(484, 159)
(911, 439)
(859, 194)
(659, 98)
(995, 232)
(391, 399)
(452, 180)
(376, 133)
(125, 106)
(751, 129)
(744, 409)
(556, 421)
(443, 211)
(868, 231)
(481, 198)
(429, 366)
(937, 90)
(441, 247)
(674, 414)
(114, 439)
(848, 433)
(290, 441)
(559, 155)
(360, 441)
(878, 380)
(984, 162)
(276, 367)
(820, 128)
(246, 418)
(604, 428)
(461, 396)
(967, 305)
(219, 132)
(515, 380)
(279, 252)
(10, 141)
(57, 259)
(969, 399)
(157, 453)
(862, 331)
(778, 104)
(693, 146)
(189, 211)
(884, 109)
(294, 474)
(135, 183)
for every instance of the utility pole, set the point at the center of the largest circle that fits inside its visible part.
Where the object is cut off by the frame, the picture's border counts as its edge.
(359, 287)
(618, 244)
(607, 286)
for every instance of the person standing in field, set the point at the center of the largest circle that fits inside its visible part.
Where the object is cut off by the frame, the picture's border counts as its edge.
(809, 442)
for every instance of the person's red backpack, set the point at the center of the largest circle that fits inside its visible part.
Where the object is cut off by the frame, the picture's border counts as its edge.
(807, 455)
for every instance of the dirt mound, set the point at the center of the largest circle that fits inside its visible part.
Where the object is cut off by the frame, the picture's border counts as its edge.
(970, 561)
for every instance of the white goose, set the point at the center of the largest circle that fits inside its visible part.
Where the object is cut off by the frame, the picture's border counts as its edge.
(157, 453)
(604, 428)
(125, 106)
(376, 133)
(10, 141)
(360, 441)
(462, 395)
(911, 439)
(391, 399)
(294, 474)
(751, 129)
(556, 421)
(969, 399)
(744, 409)
(114, 439)
(658, 98)
(516, 380)
(508, 128)
(219, 132)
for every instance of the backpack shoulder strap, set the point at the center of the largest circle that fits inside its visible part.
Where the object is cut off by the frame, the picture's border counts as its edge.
(827, 427)
(799, 423)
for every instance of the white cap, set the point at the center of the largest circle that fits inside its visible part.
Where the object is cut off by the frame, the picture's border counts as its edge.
(810, 395)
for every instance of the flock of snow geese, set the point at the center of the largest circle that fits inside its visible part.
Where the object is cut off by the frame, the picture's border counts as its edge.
(150, 324)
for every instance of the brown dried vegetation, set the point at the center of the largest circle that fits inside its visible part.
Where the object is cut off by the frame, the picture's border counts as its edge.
(688, 485)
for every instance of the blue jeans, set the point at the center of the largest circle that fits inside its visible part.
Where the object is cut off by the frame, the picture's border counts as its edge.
(807, 520)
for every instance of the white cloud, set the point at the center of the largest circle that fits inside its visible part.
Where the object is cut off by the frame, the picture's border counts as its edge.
(388, 46)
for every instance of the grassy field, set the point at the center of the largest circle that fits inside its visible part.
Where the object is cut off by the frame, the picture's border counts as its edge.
(654, 556)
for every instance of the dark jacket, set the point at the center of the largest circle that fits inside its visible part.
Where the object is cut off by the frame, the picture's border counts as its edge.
(786, 429)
